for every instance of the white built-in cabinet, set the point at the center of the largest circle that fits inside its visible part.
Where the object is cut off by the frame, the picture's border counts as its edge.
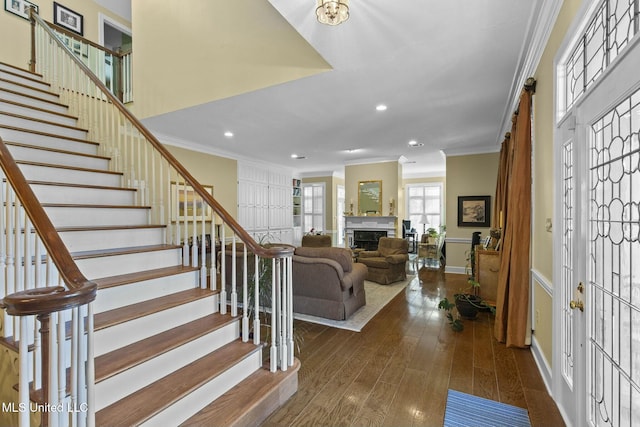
(265, 206)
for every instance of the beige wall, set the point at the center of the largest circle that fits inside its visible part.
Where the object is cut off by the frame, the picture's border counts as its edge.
(544, 186)
(387, 172)
(471, 175)
(15, 31)
(239, 46)
(220, 172)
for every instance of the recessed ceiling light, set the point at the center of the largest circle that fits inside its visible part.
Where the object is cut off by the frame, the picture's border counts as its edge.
(414, 143)
(228, 134)
(352, 150)
(381, 107)
(297, 156)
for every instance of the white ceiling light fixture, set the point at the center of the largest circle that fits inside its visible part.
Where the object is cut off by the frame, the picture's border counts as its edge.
(381, 107)
(332, 12)
(413, 143)
(228, 134)
(298, 156)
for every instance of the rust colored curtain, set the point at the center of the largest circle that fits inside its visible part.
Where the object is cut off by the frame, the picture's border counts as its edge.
(501, 184)
(512, 306)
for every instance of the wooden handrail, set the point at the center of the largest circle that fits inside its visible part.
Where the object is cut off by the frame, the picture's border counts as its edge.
(54, 298)
(274, 252)
(83, 40)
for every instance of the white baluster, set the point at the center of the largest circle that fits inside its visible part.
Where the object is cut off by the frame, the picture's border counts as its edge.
(23, 372)
(223, 272)
(273, 355)
(256, 302)
(282, 315)
(289, 290)
(203, 248)
(245, 297)
(89, 404)
(234, 293)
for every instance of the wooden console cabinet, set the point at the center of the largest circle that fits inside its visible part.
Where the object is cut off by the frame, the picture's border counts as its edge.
(487, 267)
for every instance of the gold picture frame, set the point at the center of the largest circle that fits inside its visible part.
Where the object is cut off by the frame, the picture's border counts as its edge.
(182, 209)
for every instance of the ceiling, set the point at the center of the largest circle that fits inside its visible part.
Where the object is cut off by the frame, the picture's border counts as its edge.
(449, 72)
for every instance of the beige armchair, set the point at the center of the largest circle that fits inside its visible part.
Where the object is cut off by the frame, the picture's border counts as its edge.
(316, 241)
(327, 283)
(388, 263)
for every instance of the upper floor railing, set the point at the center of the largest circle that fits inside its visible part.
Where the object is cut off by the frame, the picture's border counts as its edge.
(113, 68)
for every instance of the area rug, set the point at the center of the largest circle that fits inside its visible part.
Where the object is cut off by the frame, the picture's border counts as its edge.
(465, 410)
(377, 297)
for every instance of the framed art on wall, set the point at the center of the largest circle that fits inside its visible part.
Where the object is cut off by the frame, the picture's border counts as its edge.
(67, 18)
(184, 208)
(19, 7)
(474, 211)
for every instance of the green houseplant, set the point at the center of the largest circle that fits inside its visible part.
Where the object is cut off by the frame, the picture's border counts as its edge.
(467, 304)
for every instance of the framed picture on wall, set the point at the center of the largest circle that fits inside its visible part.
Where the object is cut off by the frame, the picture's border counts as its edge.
(184, 201)
(19, 7)
(474, 211)
(67, 18)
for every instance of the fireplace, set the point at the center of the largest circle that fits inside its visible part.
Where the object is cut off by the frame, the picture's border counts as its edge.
(367, 239)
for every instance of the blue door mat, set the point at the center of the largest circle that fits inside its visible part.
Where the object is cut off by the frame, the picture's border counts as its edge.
(465, 410)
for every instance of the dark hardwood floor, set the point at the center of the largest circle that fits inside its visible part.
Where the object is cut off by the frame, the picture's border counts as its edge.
(396, 372)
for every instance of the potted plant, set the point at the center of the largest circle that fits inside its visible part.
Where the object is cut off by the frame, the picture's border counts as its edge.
(467, 304)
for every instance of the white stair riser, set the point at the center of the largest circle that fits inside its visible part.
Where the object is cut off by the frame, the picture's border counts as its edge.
(42, 127)
(71, 176)
(37, 114)
(121, 335)
(53, 157)
(91, 240)
(17, 97)
(47, 141)
(88, 195)
(94, 268)
(28, 91)
(189, 405)
(71, 216)
(133, 293)
(25, 79)
(19, 71)
(131, 380)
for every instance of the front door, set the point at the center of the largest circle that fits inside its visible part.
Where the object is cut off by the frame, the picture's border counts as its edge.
(597, 350)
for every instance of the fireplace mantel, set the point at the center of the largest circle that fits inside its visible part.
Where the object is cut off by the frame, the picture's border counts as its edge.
(371, 223)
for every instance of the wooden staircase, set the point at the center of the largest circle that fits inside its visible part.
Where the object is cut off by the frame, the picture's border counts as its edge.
(164, 355)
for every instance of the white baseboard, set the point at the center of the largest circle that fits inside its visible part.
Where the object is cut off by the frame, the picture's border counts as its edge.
(543, 365)
(455, 270)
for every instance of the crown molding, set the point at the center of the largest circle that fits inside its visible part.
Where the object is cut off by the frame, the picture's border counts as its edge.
(467, 151)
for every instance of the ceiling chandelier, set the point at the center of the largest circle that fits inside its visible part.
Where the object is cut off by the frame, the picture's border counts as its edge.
(332, 12)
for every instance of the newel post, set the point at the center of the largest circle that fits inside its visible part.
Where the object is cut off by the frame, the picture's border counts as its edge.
(32, 60)
(44, 334)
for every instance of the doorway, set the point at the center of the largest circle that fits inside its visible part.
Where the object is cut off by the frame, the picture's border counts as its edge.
(597, 322)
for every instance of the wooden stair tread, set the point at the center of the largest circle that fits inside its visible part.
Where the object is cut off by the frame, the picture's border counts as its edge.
(30, 87)
(44, 110)
(52, 165)
(45, 122)
(77, 205)
(109, 227)
(33, 79)
(55, 150)
(24, 70)
(37, 132)
(134, 354)
(70, 184)
(121, 251)
(145, 308)
(139, 276)
(36, 98)
(150, 400)
(230, 408)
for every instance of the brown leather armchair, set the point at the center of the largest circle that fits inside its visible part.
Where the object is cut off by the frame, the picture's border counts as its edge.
(388, 263)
